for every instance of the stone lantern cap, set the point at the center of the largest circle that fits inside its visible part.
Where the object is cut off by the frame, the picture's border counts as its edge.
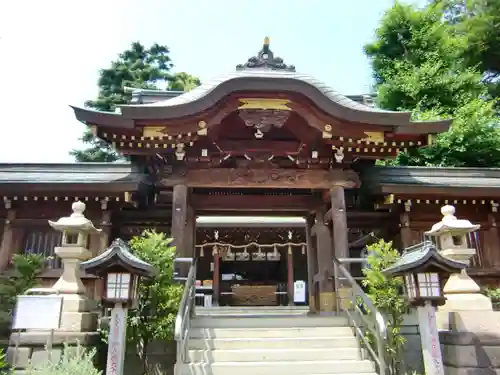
(118, 254)
(450, 223)
(420, 257)
(76, 222)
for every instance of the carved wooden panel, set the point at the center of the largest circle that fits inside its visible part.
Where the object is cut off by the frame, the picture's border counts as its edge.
(264, 178)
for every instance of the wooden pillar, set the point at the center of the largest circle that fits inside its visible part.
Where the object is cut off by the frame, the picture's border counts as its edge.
(289, 265)
(493, 238)
(100, 242)
(106, 227)
(339, 223)
(7, 244)
(189, 239)
(340, 242)
(312, 264)
(404, 223)
(179, 216)
(325, 264)
(216, 277)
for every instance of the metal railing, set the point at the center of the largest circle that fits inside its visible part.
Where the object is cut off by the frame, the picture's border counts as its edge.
(185, 313)
(373, 322)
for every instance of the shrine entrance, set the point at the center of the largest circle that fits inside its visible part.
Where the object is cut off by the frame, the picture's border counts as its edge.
(251, 261)
(262, 140)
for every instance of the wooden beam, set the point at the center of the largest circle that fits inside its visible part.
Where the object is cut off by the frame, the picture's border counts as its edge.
(252, 145)
(254, 202)
(263, 178)
(362, 215)
(438, 192)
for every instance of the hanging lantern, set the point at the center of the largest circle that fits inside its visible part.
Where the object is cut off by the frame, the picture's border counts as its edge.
(303, 249)
(215, 250)
(289, 249)
(202, 252)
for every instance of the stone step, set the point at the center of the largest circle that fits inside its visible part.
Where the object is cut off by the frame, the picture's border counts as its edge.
(277, 368)
(254, 310)
(268, 321)
(290, 332)
(273, 343)
(262, 355)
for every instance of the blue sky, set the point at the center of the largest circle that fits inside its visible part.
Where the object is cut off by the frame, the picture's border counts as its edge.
(51, 51)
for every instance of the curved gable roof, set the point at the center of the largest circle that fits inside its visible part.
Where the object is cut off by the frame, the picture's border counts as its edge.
(264, 73)
(212, 91)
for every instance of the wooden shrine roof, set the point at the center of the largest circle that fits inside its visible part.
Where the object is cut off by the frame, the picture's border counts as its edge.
(465, 182)
(148, 96)
(110, 177)
(264, 74)
(92, 177)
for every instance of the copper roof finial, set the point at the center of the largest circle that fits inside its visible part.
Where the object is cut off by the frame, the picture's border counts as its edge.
(265, 59)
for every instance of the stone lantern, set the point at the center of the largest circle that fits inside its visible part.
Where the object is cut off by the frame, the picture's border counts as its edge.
(76, 228)
(461, 291)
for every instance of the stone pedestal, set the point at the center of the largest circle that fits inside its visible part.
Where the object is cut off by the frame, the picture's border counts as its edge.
(472, 345)
(78, 325)
(470, 337)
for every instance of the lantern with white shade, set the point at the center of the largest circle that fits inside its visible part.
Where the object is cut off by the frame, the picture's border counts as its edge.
(121, 271)
(423, 268)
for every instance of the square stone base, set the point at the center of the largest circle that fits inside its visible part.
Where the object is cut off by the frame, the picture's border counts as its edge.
(472, 345)
(78, 322)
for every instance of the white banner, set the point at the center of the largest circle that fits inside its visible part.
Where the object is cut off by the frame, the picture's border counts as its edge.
(433, 360)
(117, 341)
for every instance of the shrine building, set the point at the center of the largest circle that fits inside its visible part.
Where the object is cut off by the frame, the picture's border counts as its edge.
(263, 175)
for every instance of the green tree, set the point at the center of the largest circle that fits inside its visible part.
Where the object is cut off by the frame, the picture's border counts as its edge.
(158, 297)
(478, 21)
(418, 64)
(183, 82)
(386, 294)
(137, 67)
(25, 271)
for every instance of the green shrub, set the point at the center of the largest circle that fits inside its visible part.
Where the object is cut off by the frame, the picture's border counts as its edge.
(386, 294)
(74, 361)
(494, 295)
(3, 363)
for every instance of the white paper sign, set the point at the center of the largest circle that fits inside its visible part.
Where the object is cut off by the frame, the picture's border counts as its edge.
(38, 312)
(116, 341)
(299, 291)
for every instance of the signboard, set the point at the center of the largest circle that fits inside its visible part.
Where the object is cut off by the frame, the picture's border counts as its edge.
(116, 341)
(299, 291)
(38, 312)
(433, 360)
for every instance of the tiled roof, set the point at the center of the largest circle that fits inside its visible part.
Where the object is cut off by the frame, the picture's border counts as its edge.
(208, 86)
(434, 176)
(76, 173)
(418, 255)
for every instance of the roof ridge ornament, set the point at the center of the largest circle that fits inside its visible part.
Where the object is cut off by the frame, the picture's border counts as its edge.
(265, 59)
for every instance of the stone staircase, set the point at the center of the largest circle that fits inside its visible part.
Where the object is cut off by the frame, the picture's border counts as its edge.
(270, 341)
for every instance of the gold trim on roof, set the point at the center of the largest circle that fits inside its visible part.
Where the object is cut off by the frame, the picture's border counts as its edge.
(153, 131)
(264, 103)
